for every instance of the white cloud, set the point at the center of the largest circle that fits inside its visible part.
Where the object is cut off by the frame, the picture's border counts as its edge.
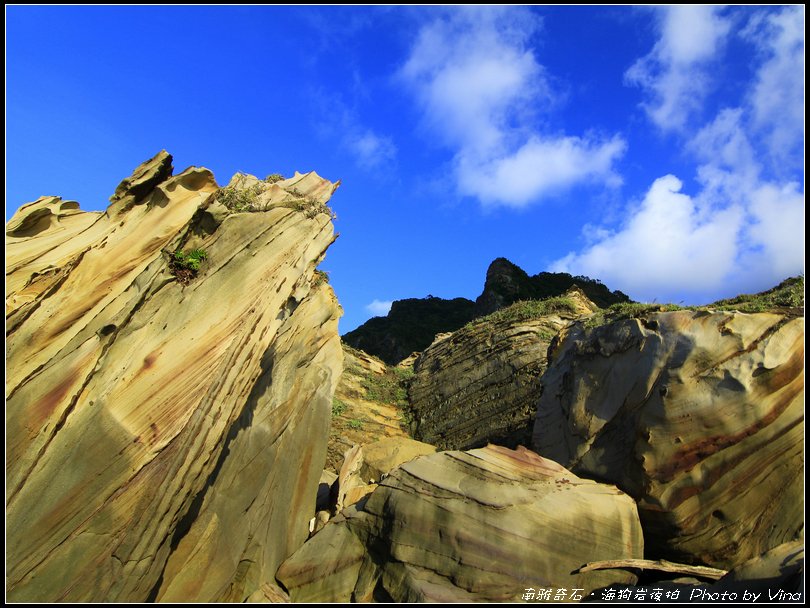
(379, 308)
(743, 229)
(777, 234)
(675, 74)
(370, 150)
(540, 165)
(480, 86)
(777, 97)
(668, 247)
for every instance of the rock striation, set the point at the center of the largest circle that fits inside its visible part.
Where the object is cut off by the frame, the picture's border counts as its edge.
(698, 415)
(480, 384)
(166, 437)
(481, 525)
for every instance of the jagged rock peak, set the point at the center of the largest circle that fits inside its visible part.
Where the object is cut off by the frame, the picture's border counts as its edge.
(166, 436)
(144, 178)
(507, 283)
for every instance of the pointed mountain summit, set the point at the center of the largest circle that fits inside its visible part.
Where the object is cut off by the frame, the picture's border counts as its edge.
(412, 324)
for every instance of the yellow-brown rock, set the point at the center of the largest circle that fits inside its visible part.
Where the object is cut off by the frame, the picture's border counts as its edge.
(481, 525)
(368, 405)
(480, 384)
(698, 415)
(165, 439)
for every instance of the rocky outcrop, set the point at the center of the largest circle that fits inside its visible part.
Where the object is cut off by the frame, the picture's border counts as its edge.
(411, 325)
(368, 405)
(482, 525)
(507, 283)
(166, 437)
(698, 415)
(480, 384)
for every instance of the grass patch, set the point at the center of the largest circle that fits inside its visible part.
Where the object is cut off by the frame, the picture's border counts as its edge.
(788, 294)
(338, 407)
(308, 205)
(628, 310)
(356, 424)
(241, 200)
(320, 278)
(525, 310)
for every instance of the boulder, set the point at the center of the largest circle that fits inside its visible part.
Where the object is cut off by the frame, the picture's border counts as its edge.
(698, 415)
(481, 525)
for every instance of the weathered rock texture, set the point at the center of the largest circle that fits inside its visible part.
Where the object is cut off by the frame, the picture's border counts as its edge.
(480, 384)
(482, 525)
(165, 440)
(368, 405)
(697, 415)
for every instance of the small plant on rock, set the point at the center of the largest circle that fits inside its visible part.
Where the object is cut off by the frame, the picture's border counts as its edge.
(338, 407)
(185, 266)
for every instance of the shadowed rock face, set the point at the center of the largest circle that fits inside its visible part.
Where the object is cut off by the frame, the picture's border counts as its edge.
(481, 525)
(411, 325)
(165, 440)
(507, 283)
(697, 415)
(480, 384)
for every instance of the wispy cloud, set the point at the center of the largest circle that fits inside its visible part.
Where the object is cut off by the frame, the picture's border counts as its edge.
(675, 74)
(777, 97)
(480, 87)
(369, 149)
(379, 308)
(743, 229)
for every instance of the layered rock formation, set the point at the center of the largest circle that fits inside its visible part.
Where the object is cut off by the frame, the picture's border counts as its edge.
(412, 324)
(483, 525)
(166, 437)
(696, 414)
(480, 384)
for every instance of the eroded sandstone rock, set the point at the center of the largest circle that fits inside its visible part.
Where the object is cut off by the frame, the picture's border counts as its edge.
(480, 384)
(482, 525)
(165, 440)
(697, 415)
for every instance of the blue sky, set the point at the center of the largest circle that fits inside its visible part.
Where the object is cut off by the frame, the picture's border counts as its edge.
(660, 150)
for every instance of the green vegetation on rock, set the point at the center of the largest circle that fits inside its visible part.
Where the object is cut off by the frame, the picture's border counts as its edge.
(628, 310)
(185, 266)
(241, 200)
(788, 294)
(524, 310)
(338, 407)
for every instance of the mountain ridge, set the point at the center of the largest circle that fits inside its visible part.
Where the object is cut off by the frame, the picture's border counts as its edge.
(412, 323)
